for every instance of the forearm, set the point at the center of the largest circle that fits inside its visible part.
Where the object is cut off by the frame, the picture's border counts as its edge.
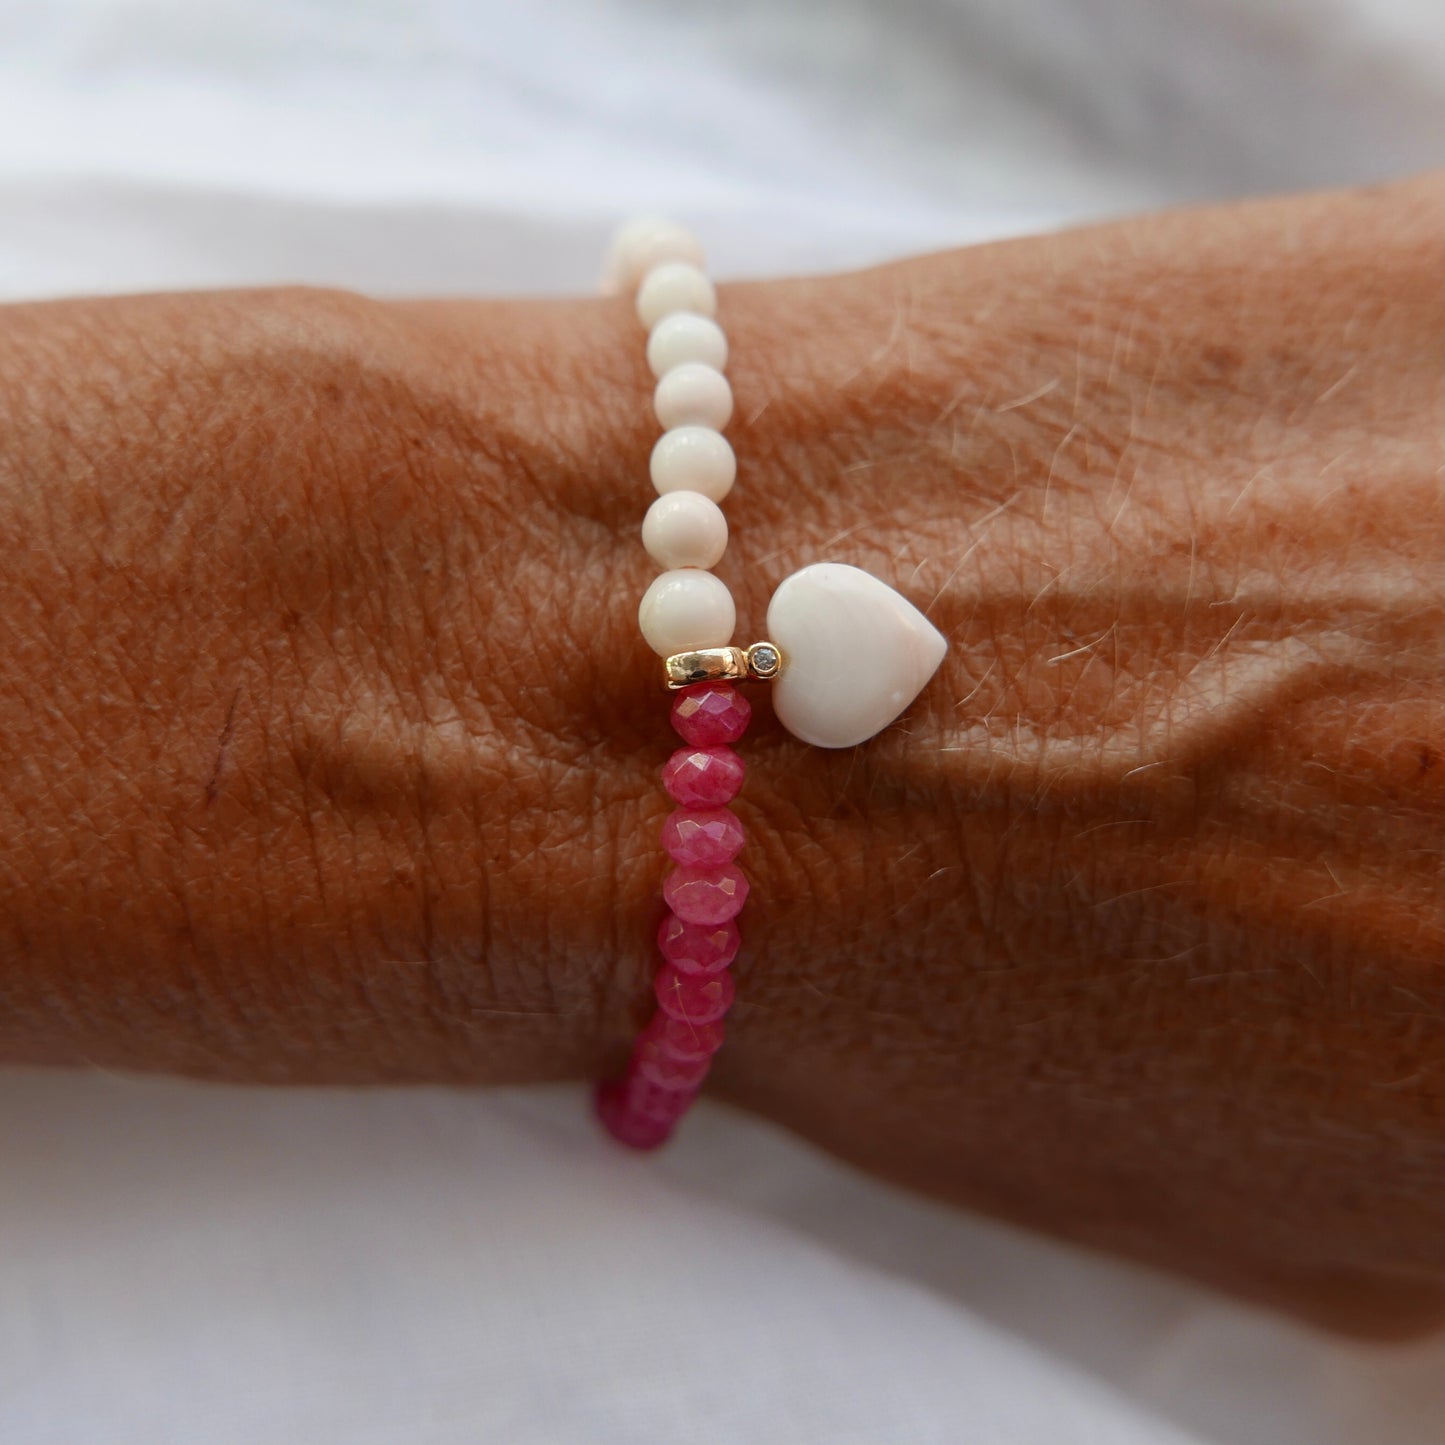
(329, 751)
(278, 799)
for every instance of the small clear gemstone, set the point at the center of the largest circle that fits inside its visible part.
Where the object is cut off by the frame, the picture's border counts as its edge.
(762, 659)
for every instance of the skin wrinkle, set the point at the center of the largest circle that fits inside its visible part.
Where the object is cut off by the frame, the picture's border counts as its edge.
(1200, 716)
(462, 761)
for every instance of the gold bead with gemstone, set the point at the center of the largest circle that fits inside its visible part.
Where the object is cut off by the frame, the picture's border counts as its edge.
(760, 662)
(764, 661)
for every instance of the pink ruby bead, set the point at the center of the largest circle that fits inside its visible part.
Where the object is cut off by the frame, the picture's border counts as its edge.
(685, 1038)
(658, 1065)
(711, 713)
(627, 1127)
(698, 947)
(706, 895)
(648, 1101)
(693, 999)
(703, 777)
(703, 836)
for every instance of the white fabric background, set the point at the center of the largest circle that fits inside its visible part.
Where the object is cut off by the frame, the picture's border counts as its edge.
(232, 1267)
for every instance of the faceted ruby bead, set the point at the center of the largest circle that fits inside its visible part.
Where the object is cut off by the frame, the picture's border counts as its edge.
(703, 777)
(686, 1038)
(627, 1127)
(706, 895)
(649, 1101)
(698, 947)
(656, 1063)
(706, 836)
(711, 713)
(694, 999)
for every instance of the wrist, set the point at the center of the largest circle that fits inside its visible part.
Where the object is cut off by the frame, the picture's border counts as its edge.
(1031, 932)
(344, 765)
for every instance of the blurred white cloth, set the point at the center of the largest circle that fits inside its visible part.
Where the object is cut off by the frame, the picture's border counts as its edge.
(190, 1266)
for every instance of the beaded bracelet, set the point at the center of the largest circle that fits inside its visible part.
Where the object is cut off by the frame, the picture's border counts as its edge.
(847, 655)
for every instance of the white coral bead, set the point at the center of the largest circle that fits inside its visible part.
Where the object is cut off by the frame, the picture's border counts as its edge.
(674, 286)
(645, 243)
(685, 529)
(685, 610)
(684, 337)
(693, 395)
(693, 459)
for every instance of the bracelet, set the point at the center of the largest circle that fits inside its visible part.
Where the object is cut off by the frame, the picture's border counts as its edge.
(846, 655)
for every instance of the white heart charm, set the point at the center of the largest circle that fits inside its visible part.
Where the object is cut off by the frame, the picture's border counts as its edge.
(855, 654)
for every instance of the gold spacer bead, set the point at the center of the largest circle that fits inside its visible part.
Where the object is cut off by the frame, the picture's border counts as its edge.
(710, 664)
(760, 662)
